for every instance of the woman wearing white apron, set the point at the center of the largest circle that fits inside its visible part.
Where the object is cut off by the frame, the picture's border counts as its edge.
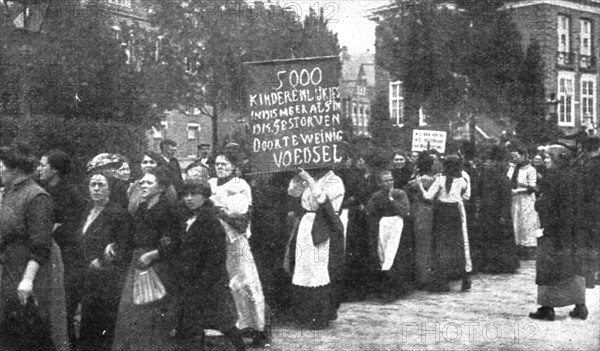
(315, 251)
(386, 209)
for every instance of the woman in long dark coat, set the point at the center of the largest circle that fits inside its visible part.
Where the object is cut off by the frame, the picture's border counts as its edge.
(494, 248)
(155, 240)
(30, 265)
(559, 273)
(105, 251)
(206, 300)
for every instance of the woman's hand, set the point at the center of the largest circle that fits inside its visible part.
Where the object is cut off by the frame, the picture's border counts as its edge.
(25, 290)
(109, 252)
(95, 264)
(304, 175)
(146, 259)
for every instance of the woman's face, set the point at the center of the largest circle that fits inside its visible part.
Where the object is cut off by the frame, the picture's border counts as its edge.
(537, 160)
(99, 189)
(399, 161)
(548, 162)
(517, 157)
(193, 201)
(149, 186)
(148, 163)
(414, 157)
(45, 171)
(223, 167)
(125, 171)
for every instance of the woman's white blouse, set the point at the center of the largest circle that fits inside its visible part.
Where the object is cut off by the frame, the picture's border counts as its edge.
(459, 191)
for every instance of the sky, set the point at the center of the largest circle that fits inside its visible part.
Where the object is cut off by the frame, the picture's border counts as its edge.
(346, 18)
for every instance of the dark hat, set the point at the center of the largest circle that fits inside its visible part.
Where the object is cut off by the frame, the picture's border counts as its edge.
(203, 144)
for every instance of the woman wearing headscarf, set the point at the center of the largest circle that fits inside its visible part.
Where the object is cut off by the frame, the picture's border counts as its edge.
(145, 323)
(31, 269)
(232, 197)
(559, 272)
(316, 248)
(450, 241)
(104, 239)
(523, 177)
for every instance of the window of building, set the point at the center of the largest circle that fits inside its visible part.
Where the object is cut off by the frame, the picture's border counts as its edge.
(566, 81)
(563, 34)
(396, 102)
(354, 114)
(588, 99)
(124, 3)
(192, 130)
(586, 37)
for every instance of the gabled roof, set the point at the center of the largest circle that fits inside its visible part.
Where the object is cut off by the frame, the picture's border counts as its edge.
(367, 71)
(352, 64)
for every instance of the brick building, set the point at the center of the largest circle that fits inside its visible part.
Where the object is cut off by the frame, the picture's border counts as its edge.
(568, 34)
(569, 37)
(357, 89)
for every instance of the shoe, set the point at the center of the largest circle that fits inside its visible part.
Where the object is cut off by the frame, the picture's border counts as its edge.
(466, 283)
(260, 340)
(543, 313)
(580, 311)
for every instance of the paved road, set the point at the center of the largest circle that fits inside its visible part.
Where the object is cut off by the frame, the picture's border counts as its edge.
(492, 316)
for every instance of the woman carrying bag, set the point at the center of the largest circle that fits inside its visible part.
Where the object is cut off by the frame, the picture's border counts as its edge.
(148, 310)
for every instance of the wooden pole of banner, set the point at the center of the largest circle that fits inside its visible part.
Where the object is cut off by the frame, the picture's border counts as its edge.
(428, 145)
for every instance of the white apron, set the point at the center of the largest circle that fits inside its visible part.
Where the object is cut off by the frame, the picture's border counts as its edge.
(390, 231)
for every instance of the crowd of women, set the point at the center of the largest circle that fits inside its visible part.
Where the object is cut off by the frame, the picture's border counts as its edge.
(152, 264)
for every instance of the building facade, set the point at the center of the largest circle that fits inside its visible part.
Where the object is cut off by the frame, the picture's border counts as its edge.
(357, 89)
(568, 32)
(569, 38)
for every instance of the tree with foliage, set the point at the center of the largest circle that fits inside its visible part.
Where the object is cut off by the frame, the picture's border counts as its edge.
(70, 85)
(202, 46)
(77, 70)
(454, 64)
(532, 126)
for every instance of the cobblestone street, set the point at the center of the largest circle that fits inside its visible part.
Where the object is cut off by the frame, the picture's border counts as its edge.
(492, 316)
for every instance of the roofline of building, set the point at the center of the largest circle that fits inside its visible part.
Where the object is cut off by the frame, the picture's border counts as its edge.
(558, 3)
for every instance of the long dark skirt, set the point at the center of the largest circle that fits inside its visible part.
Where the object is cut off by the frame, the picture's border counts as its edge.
(356, 275)
(312, 307)
(447, 244)
(145, 327)
(494, 249)
(100, 304)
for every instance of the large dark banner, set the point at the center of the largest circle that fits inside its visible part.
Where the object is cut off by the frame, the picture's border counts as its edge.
(294, 113)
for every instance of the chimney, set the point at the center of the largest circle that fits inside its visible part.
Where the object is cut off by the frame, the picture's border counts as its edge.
(345, 54)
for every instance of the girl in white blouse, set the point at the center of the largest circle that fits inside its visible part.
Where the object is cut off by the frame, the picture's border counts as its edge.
(450, 241)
